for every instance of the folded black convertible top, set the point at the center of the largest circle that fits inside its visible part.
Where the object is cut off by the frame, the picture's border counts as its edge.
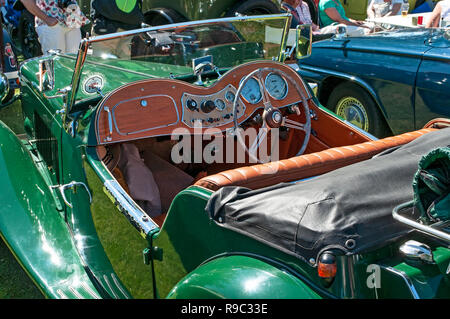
(349, 209)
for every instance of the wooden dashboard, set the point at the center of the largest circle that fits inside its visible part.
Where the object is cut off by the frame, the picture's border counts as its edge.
(156, 107)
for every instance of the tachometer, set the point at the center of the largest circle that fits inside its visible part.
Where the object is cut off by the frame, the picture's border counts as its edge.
(276, 86)
(251, 91)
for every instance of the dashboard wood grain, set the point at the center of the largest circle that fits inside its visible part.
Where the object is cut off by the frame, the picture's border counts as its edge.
(156, 107)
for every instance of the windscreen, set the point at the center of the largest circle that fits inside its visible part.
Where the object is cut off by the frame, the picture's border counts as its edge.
(173, 50)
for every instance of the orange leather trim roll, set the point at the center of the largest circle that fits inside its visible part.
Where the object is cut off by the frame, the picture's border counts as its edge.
(304, 166)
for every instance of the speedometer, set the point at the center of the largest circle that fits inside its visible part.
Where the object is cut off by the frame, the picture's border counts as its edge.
(276, 86)
(251, 91)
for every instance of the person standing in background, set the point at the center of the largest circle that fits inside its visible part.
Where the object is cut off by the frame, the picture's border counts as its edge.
(381, 8)
(110, 16)
(440, 17)
(332, 14)
(300, 13)
(58, 27)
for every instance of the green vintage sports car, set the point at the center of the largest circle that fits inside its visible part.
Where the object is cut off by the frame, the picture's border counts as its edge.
(139, 176)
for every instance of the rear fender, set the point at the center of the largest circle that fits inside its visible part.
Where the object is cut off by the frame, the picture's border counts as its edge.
(240, 277)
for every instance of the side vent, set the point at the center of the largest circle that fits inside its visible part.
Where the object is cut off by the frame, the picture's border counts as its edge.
(46, 145)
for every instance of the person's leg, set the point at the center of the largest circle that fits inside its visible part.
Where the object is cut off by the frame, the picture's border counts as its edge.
(73, 39)
(51, 38)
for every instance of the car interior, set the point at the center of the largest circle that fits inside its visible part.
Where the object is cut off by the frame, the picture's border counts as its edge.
(134, 128)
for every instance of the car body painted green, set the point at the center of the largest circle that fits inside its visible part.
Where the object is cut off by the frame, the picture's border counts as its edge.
(33, 225)
(254, 278)
(91, 227)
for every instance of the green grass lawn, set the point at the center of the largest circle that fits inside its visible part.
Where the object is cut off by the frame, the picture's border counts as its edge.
(14, 282)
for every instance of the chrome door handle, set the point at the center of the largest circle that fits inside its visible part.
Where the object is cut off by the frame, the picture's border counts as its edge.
(73, 184)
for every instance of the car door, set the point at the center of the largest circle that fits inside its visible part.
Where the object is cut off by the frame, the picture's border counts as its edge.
(432, 98)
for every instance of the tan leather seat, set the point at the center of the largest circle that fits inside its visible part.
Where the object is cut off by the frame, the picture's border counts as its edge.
(304, 166)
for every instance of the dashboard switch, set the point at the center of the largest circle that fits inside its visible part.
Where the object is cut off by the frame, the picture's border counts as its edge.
(192, 105)
(207, 106)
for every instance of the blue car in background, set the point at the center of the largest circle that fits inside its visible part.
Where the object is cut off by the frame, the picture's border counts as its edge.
(385, 83)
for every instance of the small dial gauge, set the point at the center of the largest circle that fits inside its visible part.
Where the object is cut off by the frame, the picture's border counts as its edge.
(251, 91)
(92, 84)
(229, 96)
(276, 86)
(220, 104)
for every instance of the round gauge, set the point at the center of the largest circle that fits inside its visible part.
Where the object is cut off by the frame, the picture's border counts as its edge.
(251, 91)
(220, 104)
(229, 96)
(92, 84)
(276, 86)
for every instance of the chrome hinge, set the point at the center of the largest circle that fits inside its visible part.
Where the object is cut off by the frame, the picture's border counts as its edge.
(73, 184)
(154, 253)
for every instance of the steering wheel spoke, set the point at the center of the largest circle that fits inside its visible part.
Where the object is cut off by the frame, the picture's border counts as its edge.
(294, 124)
(262, 134)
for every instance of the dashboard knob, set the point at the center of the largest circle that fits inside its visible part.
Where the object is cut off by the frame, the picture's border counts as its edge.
(207, 106)
(192, 105)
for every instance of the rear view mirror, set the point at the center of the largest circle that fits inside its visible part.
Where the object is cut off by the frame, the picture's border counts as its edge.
(303, 41)
(46, 75)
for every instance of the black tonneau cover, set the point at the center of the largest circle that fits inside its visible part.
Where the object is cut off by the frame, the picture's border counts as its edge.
(351, 205)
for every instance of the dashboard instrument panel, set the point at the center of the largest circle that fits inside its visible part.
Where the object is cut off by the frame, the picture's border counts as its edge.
(156, 107)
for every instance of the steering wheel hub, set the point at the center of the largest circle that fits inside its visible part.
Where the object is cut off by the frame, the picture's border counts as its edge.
(273, 118)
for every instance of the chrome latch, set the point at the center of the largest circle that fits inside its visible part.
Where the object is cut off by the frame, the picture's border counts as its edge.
(73, 184)
(416, 251)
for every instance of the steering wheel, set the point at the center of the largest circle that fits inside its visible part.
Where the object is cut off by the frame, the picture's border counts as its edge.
(272, 117)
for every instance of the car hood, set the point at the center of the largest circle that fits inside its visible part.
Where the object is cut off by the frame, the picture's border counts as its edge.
(403, 42)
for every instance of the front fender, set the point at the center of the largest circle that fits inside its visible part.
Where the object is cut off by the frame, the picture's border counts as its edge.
(34, 229)
(323, 75)
(240, 277)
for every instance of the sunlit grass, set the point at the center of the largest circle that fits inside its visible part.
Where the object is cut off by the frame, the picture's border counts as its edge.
(12, 117)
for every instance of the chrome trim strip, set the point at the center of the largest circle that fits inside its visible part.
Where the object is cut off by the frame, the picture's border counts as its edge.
(137, 217)
(89, 290)
(405, 278)
(76, 293)
(61, 294)
(119, 286)
(109, 286)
